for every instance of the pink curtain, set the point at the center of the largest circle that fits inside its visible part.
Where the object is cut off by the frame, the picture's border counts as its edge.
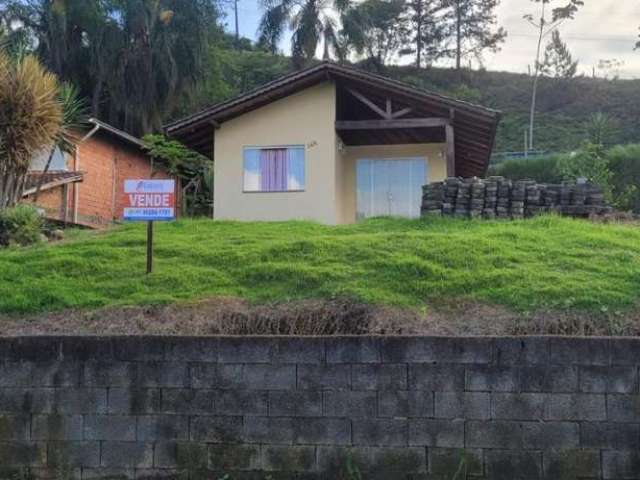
(274, 170)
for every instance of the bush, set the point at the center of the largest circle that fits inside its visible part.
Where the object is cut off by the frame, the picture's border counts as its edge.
(540, 169)
(21, 224)
(624, 162)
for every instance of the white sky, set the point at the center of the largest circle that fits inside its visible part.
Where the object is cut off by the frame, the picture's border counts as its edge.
(603, 29)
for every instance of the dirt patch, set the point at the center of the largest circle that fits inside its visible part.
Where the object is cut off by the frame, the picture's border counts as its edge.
(229, 316)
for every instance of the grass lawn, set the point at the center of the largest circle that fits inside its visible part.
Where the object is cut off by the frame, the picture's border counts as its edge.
(542, 263)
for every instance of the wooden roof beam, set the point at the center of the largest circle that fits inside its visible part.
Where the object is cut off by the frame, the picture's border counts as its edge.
(391, 123)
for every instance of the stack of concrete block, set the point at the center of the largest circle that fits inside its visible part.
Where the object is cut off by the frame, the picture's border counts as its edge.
(497, 197)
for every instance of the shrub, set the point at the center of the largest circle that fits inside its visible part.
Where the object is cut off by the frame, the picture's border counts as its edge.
(624, 161)
(22, 224)
(540, 169)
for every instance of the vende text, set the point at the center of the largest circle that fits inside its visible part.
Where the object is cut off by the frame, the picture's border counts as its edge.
(138, 200)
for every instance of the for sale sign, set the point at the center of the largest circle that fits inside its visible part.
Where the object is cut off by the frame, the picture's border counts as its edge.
(149, 200)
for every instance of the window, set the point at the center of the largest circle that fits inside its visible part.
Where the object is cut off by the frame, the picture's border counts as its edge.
(274, 169)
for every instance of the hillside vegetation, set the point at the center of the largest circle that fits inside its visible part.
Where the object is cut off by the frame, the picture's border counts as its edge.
(543, 263)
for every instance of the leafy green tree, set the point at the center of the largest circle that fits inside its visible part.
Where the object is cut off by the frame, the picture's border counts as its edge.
(592, 164)
(601, 129)
(374, 30)
(558, 61)
(312, 22)
(474, 28)
(544, 25)
(427, 26)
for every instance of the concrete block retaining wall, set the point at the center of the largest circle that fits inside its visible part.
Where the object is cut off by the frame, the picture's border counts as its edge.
(307, 408)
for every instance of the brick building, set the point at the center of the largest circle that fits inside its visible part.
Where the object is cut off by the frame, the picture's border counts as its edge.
(87, 188)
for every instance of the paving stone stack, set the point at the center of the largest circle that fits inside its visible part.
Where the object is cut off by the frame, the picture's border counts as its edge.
(497, 197)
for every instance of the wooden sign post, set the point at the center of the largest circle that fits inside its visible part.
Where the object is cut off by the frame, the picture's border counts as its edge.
(149, 201)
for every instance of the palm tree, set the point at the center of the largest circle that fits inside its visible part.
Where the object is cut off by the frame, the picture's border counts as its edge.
(73, 118)
(30, 119)
(311, 21)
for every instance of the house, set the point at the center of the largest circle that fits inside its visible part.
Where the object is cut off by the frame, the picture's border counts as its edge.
(87, 188)
(335, 144)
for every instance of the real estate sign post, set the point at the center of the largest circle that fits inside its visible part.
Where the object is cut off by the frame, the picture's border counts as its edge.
(149, 201)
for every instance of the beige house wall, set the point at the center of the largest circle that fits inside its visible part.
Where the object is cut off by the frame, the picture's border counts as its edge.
(306, 119)
(433, 153)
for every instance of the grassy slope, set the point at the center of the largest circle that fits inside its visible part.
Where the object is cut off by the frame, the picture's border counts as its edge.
(545, 262)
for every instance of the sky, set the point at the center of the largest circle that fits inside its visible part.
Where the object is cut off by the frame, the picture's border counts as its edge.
(602, 30)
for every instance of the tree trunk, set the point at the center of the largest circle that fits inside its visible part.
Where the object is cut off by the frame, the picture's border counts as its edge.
(11, 189)
(534, 95)
(458, 36)
(419, 33)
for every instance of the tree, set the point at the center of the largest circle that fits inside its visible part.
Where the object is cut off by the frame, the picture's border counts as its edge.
(374, 29)
(427, 27)
(545, 25)
(135, 59)
(474, 28)
(312, 23)
(601, 129)
(30, 119)
(558, 61)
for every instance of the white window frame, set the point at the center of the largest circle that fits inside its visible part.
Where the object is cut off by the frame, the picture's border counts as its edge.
(273, 147)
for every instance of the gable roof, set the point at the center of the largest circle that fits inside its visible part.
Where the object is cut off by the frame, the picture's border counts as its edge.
(475, 125)
(51, 179)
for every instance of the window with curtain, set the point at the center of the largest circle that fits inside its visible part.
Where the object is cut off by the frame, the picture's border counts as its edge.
(274, 169)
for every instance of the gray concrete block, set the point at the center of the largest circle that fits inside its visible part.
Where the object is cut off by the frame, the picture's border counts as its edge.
(621, 464)
(617, 436)
(299, 350)
(414, 403)
(381, 432)
(56, 374)
(581, 406)
(139, 349)
(26, 400)
(269, 377)
(518, 406)
(134, 401)
(492, 379)
(187, 401)
(191, 349)
(86, 349)
(448, 462)
(608, 379)
(571, 464)
(228, 458)
(439, 378)
(353, 350)
(216, 429)
(493, 434)
(511, 465)
(270, 430)
(33, 349)
(158, 474)
(578, 351)
(379, 377)
(126, 454)
(14, 427)
(623, 408)
(550, 435)
(15, 374)
(246, 349)
(163, 374)
(372, 462)
(311, 377)
(305, 403)
(108, 474)
(466, 405)
(74, 401)
(152, 428)
(350, 403)
(436, 349)
(522, 351)
(57, 427)
(110, 427)
(209, 375)
(109, 374)
(322, 431)
(436, 433)
(186, 457)
(625, 351)
(241, 402)
(551, 379)
(74, 454)
(288, 458)
(23, 454)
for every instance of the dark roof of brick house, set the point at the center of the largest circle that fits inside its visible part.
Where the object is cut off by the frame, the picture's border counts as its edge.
(51, 179)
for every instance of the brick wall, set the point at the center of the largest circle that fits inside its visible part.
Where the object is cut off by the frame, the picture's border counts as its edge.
(304, 408)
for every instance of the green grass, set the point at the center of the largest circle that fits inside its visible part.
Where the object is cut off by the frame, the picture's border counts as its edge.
(547, 262)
